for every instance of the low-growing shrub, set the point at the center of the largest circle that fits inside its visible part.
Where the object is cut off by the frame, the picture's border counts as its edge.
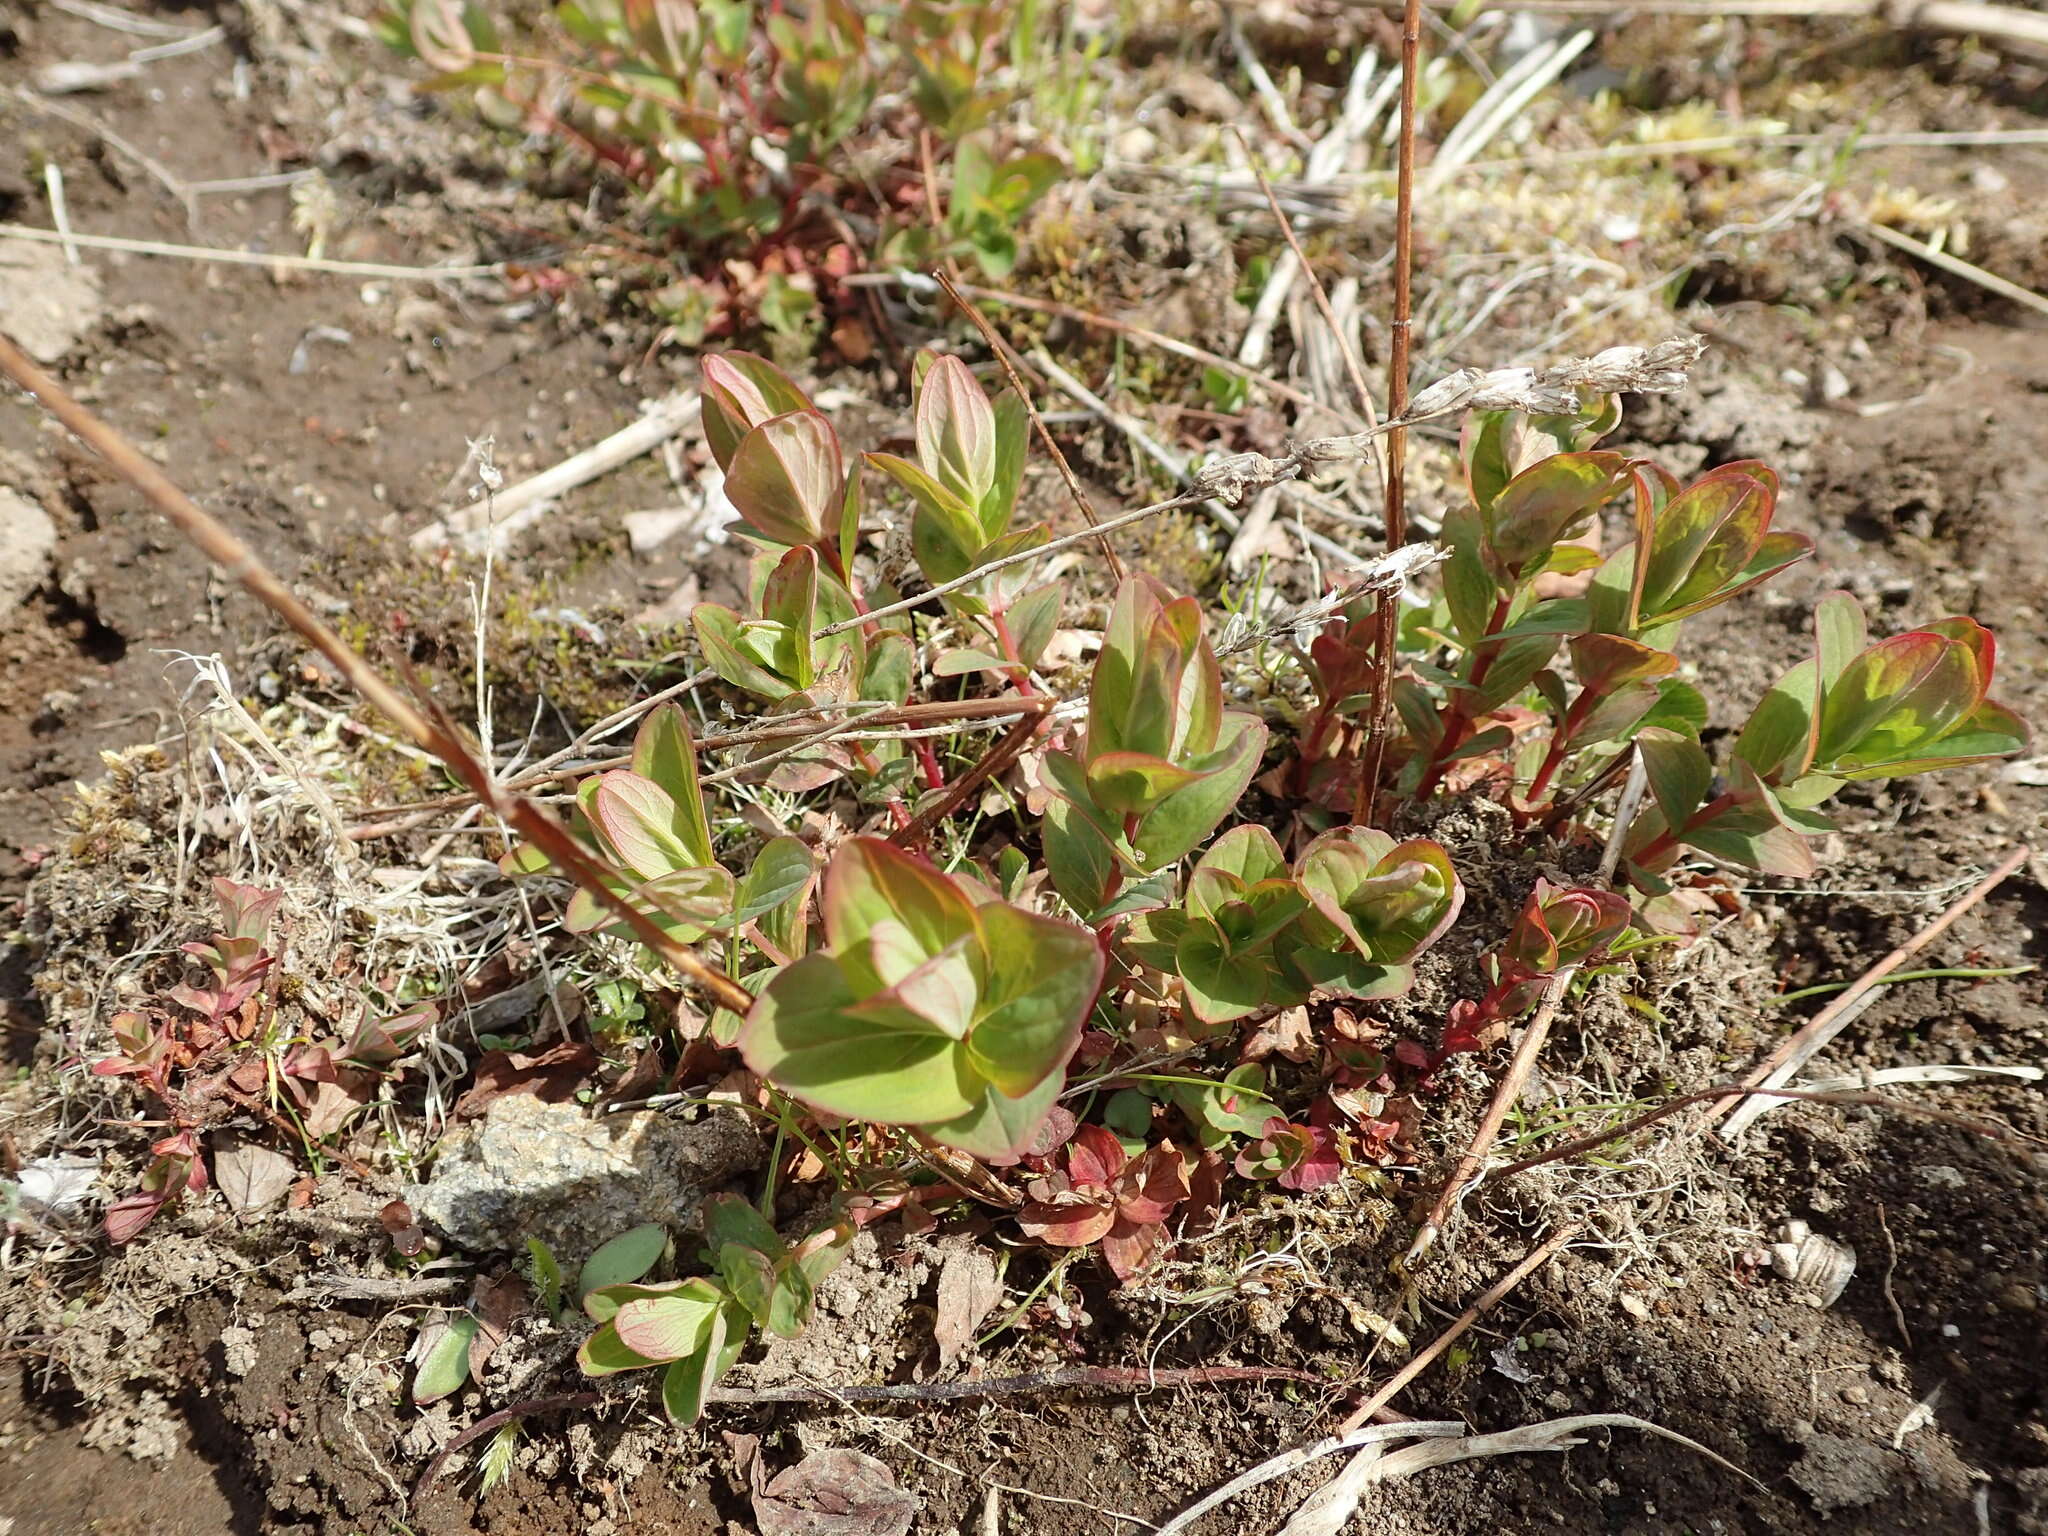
(1089, 994)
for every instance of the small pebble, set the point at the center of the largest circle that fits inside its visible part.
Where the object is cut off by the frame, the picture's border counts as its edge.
(1858, 1395)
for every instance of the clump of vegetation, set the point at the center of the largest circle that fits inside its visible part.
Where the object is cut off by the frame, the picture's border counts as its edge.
(227, 1049)
(792, 147)
(1010, 997)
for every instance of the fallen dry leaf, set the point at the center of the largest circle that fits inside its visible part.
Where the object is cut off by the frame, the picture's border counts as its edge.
(251, 1178)
(551, 1076)
(835, 1492)
(496, 1306)
(968, 1292)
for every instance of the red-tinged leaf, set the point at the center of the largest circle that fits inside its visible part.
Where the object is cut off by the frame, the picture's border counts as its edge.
(1130, 1248)
(1320, 1164)
(1605, 662)
(1149, 1188)
(666, 756)
(668, 1327)
(1546, 503)
(1132, 783)
(871, 881)
(787, 479)
(638, 821)
(127, 1216)
(1094, 1156)
(1068, 1219)
(1705, 535)
(740, 392)
(1901, 694)
(1779, 740)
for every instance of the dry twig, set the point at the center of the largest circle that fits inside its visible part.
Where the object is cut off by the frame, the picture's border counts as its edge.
(1797, 1049)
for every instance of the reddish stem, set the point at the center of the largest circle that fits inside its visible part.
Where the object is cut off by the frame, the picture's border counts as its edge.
(1671, 837)
(1457, 717)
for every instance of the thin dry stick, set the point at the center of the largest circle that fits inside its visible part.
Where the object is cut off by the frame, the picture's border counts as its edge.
(1597, 1139)
(1537, 1258)
(241, 564)
(1795, 1050)
(1397, 403)
(1955, 266)
(1004, 356)
(994, 761)
(251, 258)
(1533, 1039)
(917, 281)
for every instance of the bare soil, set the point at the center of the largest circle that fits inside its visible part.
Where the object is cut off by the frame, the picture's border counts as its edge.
(1915, 1405)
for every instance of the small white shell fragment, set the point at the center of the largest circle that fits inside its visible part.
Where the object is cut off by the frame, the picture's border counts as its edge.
(1816, 1264)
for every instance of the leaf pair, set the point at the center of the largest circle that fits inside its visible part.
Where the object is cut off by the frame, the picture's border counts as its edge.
(1706, 544)
(1251, 934)
(933, 1004)
(697, 1327)
(1856, 710)
(964, 482)
(1163, 761)
(651, 833)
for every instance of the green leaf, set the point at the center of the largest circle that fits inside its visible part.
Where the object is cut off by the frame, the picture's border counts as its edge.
(729, 1219)
(1778, 740)
(1545, 503)
(1033, 618)
(954, 517)
(956, 434)
(750, 1275)
(445, 1367)
(786, 479)
(639, 822)
(781, 872)
(963, 662)
(998, 1125)
(623, 1259)
(741, 391)
(1678, 770)
(718, 631)
(1680, 707)
(878, 1063)
(1078, 856)
(889, 667)
(672, 1326)
(1220, 986)
(1013, 432)
(1840, 633)
(547, 1275)
(1043, 977)
(790, 599)
(872, 881)
(1389, 901)
(1469, 590)
(602, 1304)
(664, 754)
(1178, 824)
(602, 1354)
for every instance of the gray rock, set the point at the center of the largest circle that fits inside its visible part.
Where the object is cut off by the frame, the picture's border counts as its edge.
(46, 304)
(551, 1171)
(28, 538)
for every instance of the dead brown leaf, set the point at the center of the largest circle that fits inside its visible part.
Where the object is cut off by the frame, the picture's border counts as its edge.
(835, 1492)
(251, 1178)
(551, 1076)
(968, 1292)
